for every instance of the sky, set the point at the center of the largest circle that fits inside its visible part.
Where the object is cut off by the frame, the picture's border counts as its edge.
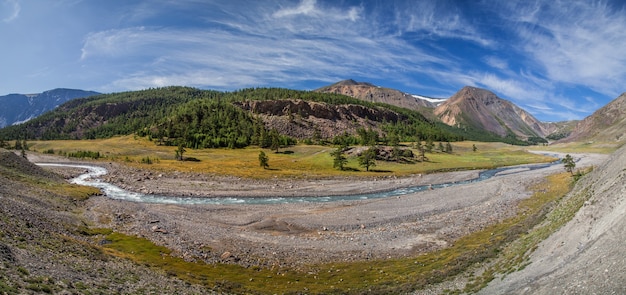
(559, 60)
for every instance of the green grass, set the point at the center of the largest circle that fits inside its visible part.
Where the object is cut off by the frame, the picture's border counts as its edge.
(375, 277)
(300, 161)
(73, 191)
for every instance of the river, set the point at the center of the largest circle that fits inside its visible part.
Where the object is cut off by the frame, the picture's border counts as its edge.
(93, 174)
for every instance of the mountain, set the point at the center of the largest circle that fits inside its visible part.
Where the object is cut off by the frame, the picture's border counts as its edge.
(372, 93)
(480, 109)
(608, 124)
(19, 108)
(208, 119)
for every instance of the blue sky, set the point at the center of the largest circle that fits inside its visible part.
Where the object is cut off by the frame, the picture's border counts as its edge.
(559, 60)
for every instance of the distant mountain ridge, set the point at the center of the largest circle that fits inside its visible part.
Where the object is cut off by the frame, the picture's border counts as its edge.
(19, 108)
(607, 124)
(372, 93)
(470, 108)
(206, 119)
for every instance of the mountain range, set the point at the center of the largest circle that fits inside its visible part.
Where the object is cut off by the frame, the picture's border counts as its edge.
(470, 108)
(19, 108)
(468, 112)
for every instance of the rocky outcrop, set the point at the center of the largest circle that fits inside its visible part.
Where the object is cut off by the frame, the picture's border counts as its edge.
(301, 119)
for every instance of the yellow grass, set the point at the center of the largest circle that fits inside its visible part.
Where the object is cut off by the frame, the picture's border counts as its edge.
(582, 147)
(300, 161)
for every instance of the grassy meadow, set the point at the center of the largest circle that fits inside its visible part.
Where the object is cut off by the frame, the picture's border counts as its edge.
(299, 161)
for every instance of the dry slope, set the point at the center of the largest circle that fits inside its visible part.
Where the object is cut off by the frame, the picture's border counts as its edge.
(586, 256)
(42, 249)
(608, 124)
(483, 110)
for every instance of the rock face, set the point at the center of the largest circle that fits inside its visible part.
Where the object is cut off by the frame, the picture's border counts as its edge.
(369, 92)
(300, 119)
(586, 256)
(483, 110)
(607, 124)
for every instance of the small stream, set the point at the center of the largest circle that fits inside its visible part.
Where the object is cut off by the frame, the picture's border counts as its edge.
(93, 174)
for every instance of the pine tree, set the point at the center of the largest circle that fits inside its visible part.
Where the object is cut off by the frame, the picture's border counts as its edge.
(339, 160)
(448, 148)
(569, 164)
(263, 160)
(275, 140)
(179, 152)
(368, 158)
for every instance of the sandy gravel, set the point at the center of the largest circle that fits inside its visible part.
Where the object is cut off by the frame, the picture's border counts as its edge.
(293, 234)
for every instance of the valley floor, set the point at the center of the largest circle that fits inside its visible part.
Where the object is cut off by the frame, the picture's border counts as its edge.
(291, 235)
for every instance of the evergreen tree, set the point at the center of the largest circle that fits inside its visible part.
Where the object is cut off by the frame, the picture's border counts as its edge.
(179, 152)
(569, 164)
(368, 158)
(421, 152)
(275, 140)
(429, 145)
(394, 140)
(448, 148)
(263, 160)
(339, 160)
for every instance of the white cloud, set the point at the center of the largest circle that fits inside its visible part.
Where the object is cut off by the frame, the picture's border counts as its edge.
(576, 42)
(497, 62)
(11, 10)
(438, 19)
(541, 47)
(306, 7)
(258, 50)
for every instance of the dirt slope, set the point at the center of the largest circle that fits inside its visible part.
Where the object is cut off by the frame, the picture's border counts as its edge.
(43, 252)
(587, 255)
(607, 124)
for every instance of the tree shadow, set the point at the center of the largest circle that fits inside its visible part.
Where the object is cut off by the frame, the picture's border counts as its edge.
(380, 171)
(284, 152)
(191, 159)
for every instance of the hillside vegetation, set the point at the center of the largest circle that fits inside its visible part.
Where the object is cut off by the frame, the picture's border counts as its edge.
(197, 118)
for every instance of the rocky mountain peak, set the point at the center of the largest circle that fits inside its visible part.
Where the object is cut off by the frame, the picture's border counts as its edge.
(482, 109)
(372, 93)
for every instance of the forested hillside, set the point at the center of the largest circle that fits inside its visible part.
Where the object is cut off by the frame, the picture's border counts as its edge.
(207, 119)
